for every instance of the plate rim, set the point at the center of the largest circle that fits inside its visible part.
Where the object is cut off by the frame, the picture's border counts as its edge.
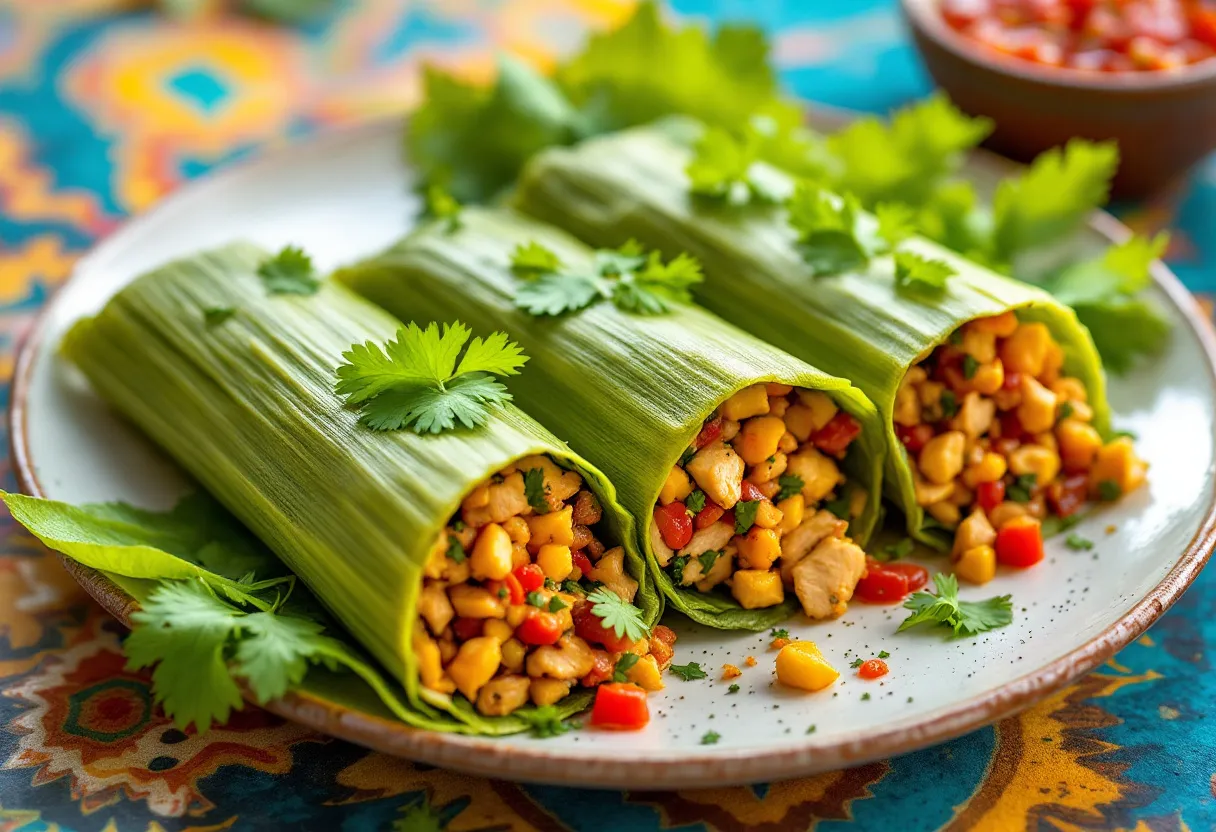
(548, 764)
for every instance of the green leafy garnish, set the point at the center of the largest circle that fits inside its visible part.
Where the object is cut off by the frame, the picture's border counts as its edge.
(1066, 410)
(826, 224)
(689, 671)
(415, 382)
(571, 587)
(1077, 543)
(1109, 491)
(545, 721)
(857, 662)
(724, 166)
(949, 404)
(790, 484)
(536, 598)
(896, 223)
(912, 271)
(964, 618)
(289, 272)
(535, 490)
(902, 549)
(636, 283)
(1022, 488)
(707, 559)
(883, 654)
(694, 502)
(745, 515)
(556, 604)
(865, 697)
(442, 206)
(216, 315)
(626, 661)
(734, 688)
(624, 619)
(777, 633)
(1055, 195)
(970, 365)
(710, 738)
(687, 456)
(455, 550)
(839, 507)
(677, 569)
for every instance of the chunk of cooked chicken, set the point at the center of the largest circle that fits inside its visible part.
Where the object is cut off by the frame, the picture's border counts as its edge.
(503, 500)
(718, 470)
(714, 536)
(435, 608)
(719, 572)
(503, 695)
(610, 571)
(825, 579)
(662, 552)
(798, 544)
(570, 658)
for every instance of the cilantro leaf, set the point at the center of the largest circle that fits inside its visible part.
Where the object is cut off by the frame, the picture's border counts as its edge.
(414, 380)
(556, 294)
(745, 515)
(216, 315)
(289, 272)
(857, 662)
(724, 164)
(556, 604)
(1109, 491)
(790, 484)
(905, 159)
(707, 559)
(883, 654)
(455, 550)
(965, 618)
(896, 222)
(274, 652)
(1053, 197)
(902, 549)
(651, 290)
(949, 404)
(915, 271)
(710, 738)
(537, 599)
(688, 672)
(779, 633)
(694, 502)
(676, 567)
(532, 259)
(734, 688)
(1077, 543)
(626, 661)
(1022, 488)
(827, 230)
(624, 619)
(535, 491)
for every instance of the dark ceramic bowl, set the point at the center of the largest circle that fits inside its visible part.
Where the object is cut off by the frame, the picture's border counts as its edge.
(1164, 121)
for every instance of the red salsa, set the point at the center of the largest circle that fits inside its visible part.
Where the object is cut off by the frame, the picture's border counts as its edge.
(1091, 35)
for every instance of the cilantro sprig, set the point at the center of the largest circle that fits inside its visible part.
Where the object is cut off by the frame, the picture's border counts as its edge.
(632, 280)
(624, 619)
(914, 271)
(829, 238)
(290, 272)
(964, 618)
(535, 490)
(689, 672)
(725, 166)
(415, 382)
(789, 485)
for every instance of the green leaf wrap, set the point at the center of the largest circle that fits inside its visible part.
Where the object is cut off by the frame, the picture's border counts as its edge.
(857, 325)
(629, 392)
(247, 406)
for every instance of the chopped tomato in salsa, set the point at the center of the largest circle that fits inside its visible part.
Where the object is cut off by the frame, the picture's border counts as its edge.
(889, 583)
(873, 669)
(620, 706)
(1091, 35)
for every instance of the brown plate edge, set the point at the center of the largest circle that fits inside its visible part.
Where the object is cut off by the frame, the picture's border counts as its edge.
(547, 764)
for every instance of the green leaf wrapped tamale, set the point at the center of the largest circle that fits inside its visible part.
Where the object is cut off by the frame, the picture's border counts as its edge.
(704, 430)
(979, 365)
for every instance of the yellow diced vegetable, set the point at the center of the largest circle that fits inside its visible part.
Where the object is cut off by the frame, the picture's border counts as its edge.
(821, 405)
(554, 527)
(1026, 349)
(768, 516)
(555, 561)
(498, 629)
(1037, 412)
(645, 674)
(799, 421)
(768, 471)
(750, 401)
(941, 460)
(1070, 390)
(475, 664)
(945, 513)
(792, 509)
(819, 473)
(758, 439)
(1002, 325)
(979, 344)
(990, 468)
(802, 665)
(988, 378)
(677, 486)
(1044, 463)
(977, 565)
(479, 497)
(907, 406)
(548, 691)
(517, 529)
(974, 531)
(430, 670)
(1006, 511)
(1117, 462)
(491, 557)
(476, 602)
(759, 548)
(1079, 444)
(513, 654)
(756, 589)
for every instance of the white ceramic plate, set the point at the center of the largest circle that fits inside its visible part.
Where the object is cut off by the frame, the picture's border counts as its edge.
(344, 196)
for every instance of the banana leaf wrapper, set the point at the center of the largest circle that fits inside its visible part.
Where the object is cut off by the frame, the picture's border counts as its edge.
(629, 392)
(247, 406)
(858, 325)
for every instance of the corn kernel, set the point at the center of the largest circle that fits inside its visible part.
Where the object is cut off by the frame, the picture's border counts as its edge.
(491, 557)
(645, 674)
(977, 565)
(1070, 390)
(1044, 463)
(1117, 462)
(990, 468)
(799, 421)
(513, 654)
(750, 401)
(792, 509)
(1053, 362)
(768, 516)
(1026, 349)
(755, 588)
(430, 669)
(759, 548)
(801, 665)
(555, 561)
(471, 601)
(498, 629)
(788, 443)
(676, 487)
(945, 513)
(979, 344)
(479, 497)
(1004, 512)
(823, 409)
(517, 529)
(1079, 444)
(778, 406)
(941, 460)
(475, 664)
(554, 527)
(988, 378)
(927, 493)
(758, 439)
(1037, 412)
(769, 470)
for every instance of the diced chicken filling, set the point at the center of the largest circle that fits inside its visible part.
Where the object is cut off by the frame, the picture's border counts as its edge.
(759, 504)
(995, 431)
(503, 614)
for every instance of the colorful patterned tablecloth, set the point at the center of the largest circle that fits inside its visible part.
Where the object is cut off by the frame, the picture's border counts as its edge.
(104, 108)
